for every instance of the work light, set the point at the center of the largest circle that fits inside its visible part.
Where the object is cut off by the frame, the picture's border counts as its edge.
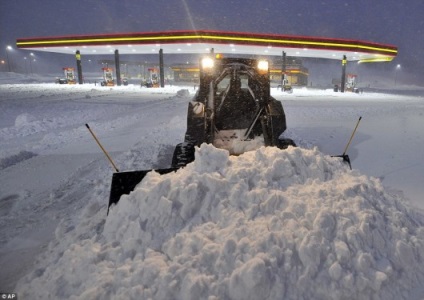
(207, 63)
(263, 66)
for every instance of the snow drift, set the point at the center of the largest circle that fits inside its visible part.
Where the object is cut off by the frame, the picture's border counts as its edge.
(268, 224)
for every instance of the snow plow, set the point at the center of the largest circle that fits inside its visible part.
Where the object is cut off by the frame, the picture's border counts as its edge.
(232, 110)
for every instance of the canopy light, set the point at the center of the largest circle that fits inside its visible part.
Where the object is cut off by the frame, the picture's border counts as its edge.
(263, 66)
(378, 59)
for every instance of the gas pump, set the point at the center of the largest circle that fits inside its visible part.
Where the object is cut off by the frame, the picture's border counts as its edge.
(70, 75)
(153, 78)
(350, 84)
(107, 77)
(286, 86)
(351, 81)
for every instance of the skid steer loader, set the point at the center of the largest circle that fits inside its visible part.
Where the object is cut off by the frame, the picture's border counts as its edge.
(232, 110)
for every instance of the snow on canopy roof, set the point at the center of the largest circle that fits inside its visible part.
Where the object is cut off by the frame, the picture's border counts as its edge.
(201, 42)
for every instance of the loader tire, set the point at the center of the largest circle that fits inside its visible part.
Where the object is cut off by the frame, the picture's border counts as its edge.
(285, 143)
(183, 155)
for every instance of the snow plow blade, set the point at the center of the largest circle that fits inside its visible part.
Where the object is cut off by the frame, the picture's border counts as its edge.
(125, 182)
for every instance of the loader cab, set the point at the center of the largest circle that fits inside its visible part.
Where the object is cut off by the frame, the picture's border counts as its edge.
(233, 108)
(233, 81)
(235, 105)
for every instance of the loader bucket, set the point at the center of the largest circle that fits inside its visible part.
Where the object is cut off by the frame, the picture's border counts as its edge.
(125, 182)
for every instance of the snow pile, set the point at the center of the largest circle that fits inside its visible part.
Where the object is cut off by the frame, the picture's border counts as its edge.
(268, 224)
(183, 93)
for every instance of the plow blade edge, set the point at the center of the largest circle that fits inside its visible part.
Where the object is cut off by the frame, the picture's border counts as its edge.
(125, 182)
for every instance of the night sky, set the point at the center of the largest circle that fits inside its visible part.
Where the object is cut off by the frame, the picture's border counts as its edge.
(400, 23)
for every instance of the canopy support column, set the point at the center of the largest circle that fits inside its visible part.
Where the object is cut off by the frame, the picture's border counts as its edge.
(79, 68)
(161, 72)
(283, 70)
(118, 69)
(343, 83)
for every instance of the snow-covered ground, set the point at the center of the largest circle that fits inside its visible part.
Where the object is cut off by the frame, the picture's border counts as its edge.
(268, 224)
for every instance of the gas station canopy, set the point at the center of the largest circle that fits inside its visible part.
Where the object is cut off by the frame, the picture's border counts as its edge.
(202, 42)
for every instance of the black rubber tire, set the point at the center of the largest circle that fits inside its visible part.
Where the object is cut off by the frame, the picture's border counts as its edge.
(285, 143)
(183, 155)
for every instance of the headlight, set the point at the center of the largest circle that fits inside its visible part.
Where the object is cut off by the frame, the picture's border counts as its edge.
(263, 66)
(207, 63)
(198, 108)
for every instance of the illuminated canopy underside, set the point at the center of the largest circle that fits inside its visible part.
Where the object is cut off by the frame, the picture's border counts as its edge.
(200, 42)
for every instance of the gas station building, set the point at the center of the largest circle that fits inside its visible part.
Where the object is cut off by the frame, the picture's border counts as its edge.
(207, 42)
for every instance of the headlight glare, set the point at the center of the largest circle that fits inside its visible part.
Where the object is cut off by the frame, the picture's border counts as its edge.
(207, 63)
(263, 66)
